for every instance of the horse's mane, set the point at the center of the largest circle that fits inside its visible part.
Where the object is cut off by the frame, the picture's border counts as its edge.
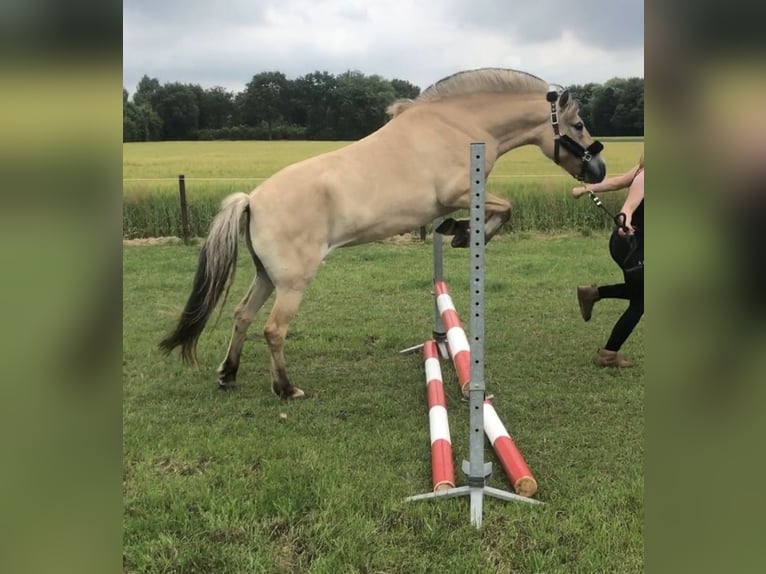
(483, 80)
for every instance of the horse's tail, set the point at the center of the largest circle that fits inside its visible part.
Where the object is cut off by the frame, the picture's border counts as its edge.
(215, 274)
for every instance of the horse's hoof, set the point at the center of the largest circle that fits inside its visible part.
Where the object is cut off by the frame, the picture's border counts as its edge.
(446, 227)
(460, 241)
(291, 393)
(226, 385)
(460, 229)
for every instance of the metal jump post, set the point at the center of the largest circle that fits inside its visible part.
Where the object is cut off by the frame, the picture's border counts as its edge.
(475, 468)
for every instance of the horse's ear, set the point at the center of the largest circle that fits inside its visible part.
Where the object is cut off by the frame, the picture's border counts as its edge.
(564, 99)
(552, 94)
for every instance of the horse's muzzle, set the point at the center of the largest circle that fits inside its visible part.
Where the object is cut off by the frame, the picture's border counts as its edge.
(595, 170)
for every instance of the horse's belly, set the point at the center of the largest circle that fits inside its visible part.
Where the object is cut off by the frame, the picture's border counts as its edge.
(386, 226)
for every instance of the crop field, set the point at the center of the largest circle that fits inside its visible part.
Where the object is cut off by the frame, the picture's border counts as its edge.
(239, 481)
(537, 188)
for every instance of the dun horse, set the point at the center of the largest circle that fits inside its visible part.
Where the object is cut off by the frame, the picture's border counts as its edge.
(410, 171)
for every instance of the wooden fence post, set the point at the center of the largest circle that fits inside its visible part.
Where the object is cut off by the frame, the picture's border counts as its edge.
(184, 209)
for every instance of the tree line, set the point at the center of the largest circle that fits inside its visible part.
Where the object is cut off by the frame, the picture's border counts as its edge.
(323, 106)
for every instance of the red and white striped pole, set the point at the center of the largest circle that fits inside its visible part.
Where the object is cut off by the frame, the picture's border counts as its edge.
(459, 349)
(442, 469)
(510, 458)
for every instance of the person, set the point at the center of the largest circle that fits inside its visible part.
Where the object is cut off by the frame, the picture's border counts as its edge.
(626, 246)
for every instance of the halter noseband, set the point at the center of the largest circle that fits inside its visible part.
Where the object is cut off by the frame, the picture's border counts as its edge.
(572, 146)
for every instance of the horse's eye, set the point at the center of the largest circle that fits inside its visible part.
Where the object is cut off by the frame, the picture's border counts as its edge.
(579, 126)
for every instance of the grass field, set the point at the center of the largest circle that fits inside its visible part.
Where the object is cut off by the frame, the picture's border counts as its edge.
(218, 482)
(537, 188)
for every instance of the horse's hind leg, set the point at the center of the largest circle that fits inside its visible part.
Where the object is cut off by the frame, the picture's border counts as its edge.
(285, 306)
(244, 315)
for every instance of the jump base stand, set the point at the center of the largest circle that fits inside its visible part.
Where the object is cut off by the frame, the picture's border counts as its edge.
(476, 470)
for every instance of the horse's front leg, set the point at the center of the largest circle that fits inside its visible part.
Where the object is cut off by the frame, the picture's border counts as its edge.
(497, 211)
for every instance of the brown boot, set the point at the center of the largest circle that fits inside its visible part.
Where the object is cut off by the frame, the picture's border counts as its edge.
(612, 359)
(587, 295)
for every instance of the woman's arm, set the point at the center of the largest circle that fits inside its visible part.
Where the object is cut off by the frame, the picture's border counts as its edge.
(632, 201)
(609, 184)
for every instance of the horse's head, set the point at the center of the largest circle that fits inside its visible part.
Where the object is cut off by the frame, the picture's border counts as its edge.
(568, 142)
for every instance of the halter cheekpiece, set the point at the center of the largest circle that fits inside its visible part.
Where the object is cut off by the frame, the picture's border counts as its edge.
(572, 146)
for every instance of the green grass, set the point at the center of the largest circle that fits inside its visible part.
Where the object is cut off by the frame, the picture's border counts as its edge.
(218, 482)
(537, 188)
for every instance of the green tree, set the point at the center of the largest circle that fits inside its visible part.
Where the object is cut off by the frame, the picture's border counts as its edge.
(315, 95)
(404, 89)
(360, 105)
(613, 108)
(262, 100)
(140, 123)
(146, 89)
(633, 102)
(584, 96)
(602, 109)
(216, 108)
(320, 105)
(177, 105)
(129, 127)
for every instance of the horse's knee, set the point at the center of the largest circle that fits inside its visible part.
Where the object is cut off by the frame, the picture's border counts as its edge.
(503, 211)
(503, 214)
(498, 207)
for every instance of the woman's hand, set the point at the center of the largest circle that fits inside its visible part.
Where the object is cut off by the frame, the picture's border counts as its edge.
(579, 191)
(626, 228)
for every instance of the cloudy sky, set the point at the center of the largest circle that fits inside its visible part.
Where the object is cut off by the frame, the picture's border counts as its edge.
(225, 42)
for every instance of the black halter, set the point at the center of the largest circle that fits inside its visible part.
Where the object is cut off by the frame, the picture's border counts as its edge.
(573, 147)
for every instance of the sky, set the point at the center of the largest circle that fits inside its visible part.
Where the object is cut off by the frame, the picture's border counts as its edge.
(226, 42)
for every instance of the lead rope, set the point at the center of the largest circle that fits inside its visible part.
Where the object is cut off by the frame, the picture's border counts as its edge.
(619, 219)
(620, 222)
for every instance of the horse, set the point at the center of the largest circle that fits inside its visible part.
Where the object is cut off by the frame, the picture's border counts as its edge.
(412, 170)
